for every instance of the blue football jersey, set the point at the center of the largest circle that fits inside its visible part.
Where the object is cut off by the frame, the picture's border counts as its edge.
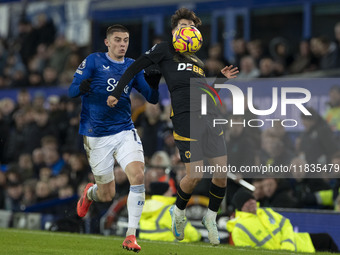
(98, 119)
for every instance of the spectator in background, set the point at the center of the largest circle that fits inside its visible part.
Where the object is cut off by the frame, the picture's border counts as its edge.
(60, 51)
(46, 29)
(304, 61)
(53, 160)
(152, 130)
(50, 77)
(29, 197)
(336, 197)
(241, 151)
(14, 195)
(255, 49)
(38, 160)
(258, 192)
(138, 105)
(3, 56)
(4, 133)
(279, 131)
(23, 99)
(18, 140)
(273, 151)
(326, 51)
(72, 62)
(264, 228)
(15, 71)
(43, 192)
(239, 49)
(35, 79)
(25, 166)
(40, 60)
(41, 127)
(337, 39)
(267, 70)
(63, 179)
(155, 222)
(159, 162)
(278, 193)
(215, 62)
(280, 52)
(45, 173)
(317, 142)
(332, 115)
(2, 189)
(79, 168)
(58, 115)
(304, 188)
(27, 40)
(248, 68)
(38, 100)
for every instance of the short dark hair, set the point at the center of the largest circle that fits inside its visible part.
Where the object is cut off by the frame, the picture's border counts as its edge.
(116, 28)
(184, 13)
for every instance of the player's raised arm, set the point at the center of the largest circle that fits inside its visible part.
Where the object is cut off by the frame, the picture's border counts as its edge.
(230, 72)
(137, 66)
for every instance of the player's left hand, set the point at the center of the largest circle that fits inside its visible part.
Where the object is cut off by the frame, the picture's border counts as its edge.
(111, 101)
(152, 77)
(230, 72)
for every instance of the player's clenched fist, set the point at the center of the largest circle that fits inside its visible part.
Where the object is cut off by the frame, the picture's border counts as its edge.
(111, 101)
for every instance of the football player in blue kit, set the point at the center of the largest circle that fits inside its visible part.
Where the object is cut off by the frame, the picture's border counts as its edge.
(109, 133)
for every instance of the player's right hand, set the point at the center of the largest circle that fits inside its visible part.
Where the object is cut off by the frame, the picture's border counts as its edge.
(111, 101)
(85, 86)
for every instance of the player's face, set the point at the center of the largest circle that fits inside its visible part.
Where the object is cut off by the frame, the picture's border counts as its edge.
(117, 45)
(183, 23)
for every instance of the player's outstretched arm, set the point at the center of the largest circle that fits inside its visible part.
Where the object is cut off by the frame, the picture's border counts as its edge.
(230, 72)
(137, 66)
(79, 87)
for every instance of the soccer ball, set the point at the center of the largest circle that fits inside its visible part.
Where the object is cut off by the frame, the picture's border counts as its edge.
(187, 39)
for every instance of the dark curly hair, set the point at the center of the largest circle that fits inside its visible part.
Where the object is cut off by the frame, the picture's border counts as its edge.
(184, 13)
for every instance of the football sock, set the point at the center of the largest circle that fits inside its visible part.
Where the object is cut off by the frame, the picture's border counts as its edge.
(216, 195)
(135, 203)
(92, 193)
(182, 199)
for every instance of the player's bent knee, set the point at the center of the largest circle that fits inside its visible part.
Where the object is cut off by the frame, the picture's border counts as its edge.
(192, 182)
(106, 196)
(221, 182)
(112, 193)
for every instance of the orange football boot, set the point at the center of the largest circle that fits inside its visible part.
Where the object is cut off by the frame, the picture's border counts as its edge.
(84, 203)
(130, 244)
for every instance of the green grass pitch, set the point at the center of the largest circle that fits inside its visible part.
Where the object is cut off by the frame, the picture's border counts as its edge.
(14, 241)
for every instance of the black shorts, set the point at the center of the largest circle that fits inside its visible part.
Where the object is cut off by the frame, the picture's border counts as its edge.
(199, 141)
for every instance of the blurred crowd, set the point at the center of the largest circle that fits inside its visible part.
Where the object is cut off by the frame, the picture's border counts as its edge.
(40, 57)
(42, 156)
(278, 58)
